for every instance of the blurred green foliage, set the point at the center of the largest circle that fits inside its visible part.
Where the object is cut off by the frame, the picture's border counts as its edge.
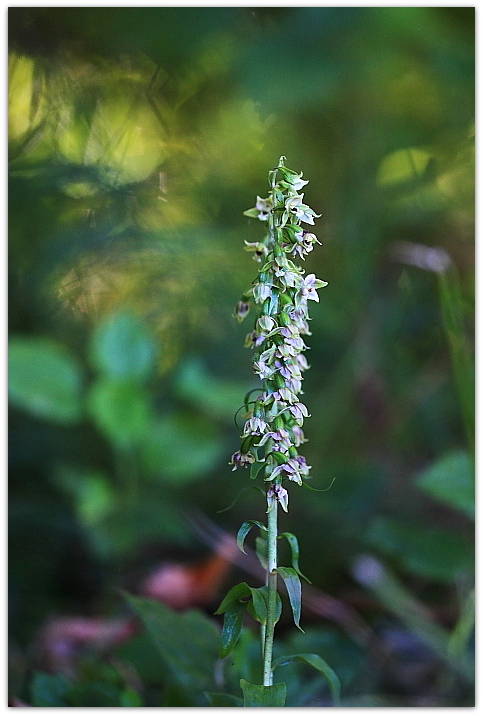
(137, 137)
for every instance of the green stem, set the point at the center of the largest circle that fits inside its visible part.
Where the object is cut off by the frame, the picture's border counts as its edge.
(272, 594)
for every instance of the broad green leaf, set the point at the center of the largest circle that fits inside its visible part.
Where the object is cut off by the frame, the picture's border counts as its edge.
(223, 699)
(258, 606)
(44, 379)
(294, 591)
(260, 603)
(294, 548)
(245, 529)
(258, 695)
(318, 663)
(49, 689)
(121, 410)
(236, 593)
(188, 643)
(450, 480)
(232, 626)
(122, 349)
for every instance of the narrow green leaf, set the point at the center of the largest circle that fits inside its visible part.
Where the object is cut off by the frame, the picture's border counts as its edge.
(294, 591)
(236, 593)
(232, 625)
(258, 695)
(245, 529)
(260, 603)
(223, 699)
(294, 548)
(321, 665)
(257, 607)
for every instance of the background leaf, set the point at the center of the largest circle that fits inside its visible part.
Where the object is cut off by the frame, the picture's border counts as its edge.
(44, 379)
(122, 349)
(120, 410)
(187, 643)
(450, 480)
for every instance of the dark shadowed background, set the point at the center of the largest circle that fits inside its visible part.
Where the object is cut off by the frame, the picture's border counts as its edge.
(137, 138)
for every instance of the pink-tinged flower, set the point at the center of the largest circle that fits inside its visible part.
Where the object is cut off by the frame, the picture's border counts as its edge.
(293, 469)
(284, 395)
(301, 361)
(241, 310)
(239, 459)
(280, 437)
(294, 384)
(262, 369)
(311, 283)
(296, 342)
(298, 435)
(255, 426)
(298, 411)
(289, 331)
(277, 493)
(253, 339)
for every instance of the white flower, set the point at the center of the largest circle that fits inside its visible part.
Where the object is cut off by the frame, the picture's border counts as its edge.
(255, 426)
(310, 284)
(261, 291)
(264, 207)
(297, 182)
(265, 324)
(295, 205)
